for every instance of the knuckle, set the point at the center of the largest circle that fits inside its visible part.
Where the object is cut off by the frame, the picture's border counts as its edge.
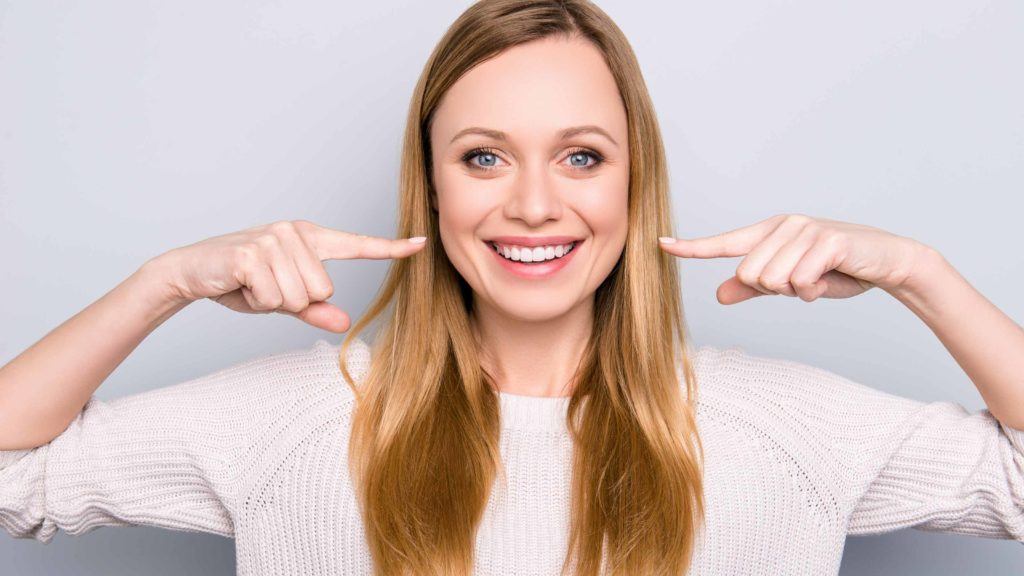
(267, 241)
(748, 279)
(832, 239)
(746, 276)
(281, 227)
(247, 254)
(253, 298)
(801, 282)
(813, 227)
(773, 282)
(304, 228)
(274, 301)
(260, 303)
(295, 305)
(319, 291)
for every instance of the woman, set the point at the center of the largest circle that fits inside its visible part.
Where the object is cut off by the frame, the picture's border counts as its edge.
(530, 402)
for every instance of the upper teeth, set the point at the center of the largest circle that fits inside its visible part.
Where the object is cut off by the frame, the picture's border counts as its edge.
(532, 254)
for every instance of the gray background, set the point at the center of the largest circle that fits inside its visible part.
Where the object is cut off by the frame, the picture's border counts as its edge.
(130, 128)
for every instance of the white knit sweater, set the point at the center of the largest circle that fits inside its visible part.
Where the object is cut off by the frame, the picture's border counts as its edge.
(797, 459)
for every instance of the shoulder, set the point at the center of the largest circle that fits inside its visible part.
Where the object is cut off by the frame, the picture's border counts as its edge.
(798, 407)
(256, 386)
(767, 381)
(305, 393)
(314, 372)
(307, 418)
(327, 357)
(775, 422)
(288, 386)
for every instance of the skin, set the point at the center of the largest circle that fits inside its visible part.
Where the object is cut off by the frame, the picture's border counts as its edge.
(799, 255)
(276, 267)
(532, 332)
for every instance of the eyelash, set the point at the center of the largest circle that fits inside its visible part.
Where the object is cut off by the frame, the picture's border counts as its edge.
(598, 159)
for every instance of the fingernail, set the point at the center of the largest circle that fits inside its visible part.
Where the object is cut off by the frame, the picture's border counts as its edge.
(418, 239)
(666, 239)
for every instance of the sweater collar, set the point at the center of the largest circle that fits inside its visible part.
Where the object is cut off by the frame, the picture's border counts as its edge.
(541, 413)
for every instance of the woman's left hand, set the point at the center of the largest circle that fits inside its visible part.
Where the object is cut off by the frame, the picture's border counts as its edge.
(798, 255)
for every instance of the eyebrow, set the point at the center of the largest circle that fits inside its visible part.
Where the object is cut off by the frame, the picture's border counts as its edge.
(565, 134)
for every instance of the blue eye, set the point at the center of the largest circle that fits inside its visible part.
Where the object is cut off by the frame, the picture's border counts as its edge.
(489, 158)
(581, 153)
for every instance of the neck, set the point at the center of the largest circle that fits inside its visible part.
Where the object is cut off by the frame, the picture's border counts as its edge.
(532, 358)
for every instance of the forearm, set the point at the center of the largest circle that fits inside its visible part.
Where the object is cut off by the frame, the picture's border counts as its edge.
(984, 341)
(45, 387)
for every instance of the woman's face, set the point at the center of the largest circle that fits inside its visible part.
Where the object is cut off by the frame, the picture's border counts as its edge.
(506, 173)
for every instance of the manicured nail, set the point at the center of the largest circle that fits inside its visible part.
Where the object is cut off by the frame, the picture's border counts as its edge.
(666, 239)
(418, 239)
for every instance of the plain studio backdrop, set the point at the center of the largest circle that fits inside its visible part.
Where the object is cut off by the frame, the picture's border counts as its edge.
(130, 128)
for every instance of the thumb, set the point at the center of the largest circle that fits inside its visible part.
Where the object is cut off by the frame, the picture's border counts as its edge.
(323, 315)
(732, 291)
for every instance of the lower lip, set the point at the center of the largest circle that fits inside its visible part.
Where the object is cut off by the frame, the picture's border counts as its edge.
(545, 269)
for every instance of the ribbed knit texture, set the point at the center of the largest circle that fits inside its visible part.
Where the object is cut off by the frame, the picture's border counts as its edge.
(797, 459)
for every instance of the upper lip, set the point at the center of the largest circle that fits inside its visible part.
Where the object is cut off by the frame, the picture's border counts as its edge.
(533, 240)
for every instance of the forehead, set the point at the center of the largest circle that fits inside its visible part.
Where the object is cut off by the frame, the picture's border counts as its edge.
(536, 88)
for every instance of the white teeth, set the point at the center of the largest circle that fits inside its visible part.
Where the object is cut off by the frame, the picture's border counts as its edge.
(535, 254)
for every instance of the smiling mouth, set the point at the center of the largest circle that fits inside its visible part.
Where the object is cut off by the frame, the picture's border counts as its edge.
(533, 254)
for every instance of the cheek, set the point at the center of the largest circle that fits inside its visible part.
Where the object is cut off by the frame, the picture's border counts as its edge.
(606, 213)
(462, 207)
(605, 209)
(462, 204)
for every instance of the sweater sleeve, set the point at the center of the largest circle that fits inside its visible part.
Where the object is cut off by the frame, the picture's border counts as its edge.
(933, 466)
(170, 457)
(898, 462)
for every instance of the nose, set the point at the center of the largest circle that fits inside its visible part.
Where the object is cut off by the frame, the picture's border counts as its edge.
(534, 197)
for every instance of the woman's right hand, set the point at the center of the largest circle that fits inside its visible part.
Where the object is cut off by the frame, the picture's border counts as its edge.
(276, 267)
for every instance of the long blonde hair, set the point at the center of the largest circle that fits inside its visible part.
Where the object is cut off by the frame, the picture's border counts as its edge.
(424, 448)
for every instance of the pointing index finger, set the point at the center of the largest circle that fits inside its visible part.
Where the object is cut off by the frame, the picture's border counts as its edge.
(329, 244)
(736, 242)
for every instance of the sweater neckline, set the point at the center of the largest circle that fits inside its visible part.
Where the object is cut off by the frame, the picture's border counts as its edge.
(545, 413)
(518, 412)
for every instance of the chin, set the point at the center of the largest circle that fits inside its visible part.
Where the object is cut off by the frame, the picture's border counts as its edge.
(527, 311)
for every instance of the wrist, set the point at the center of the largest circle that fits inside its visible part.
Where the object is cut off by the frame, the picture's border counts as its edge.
(929, 273)
(153, 285)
